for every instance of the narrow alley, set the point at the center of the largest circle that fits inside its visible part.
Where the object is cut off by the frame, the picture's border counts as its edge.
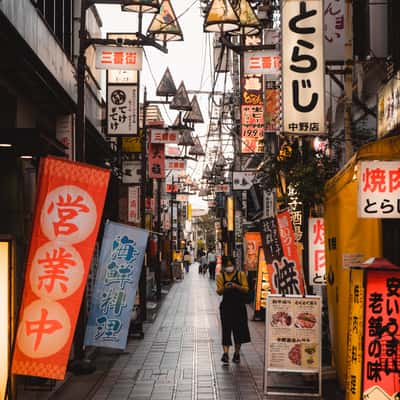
(179, 358)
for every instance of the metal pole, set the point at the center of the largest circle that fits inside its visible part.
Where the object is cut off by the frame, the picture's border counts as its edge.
(158, 229)
(143, 275)
(80, 149)
(348, 80)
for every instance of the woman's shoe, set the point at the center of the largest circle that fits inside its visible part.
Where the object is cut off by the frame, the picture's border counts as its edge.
(236, 358)
(225, 358)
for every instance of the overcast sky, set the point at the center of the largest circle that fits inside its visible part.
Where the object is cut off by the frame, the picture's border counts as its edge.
(188, 60)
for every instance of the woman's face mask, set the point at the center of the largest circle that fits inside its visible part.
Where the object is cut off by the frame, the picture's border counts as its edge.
(230, 268)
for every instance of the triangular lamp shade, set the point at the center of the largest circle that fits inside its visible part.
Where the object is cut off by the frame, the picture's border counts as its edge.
(181, 100)
(249, 23)
(144, 6)
(165, 26)
(221, 17)
(195, 114)
(167, 85)
(186, 138)
(197, 149)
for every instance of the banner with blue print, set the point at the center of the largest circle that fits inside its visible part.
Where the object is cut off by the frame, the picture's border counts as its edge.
(120, 264)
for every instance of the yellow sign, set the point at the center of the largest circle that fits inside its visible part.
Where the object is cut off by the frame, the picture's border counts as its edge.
(355, 336)
(132, 144)
(231, 218)
(189, 212)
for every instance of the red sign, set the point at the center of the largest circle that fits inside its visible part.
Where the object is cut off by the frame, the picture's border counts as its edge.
(67, 217)
(156, 160)
(252, 242)
(164, 136)
(291, 265)
(171, 188)
(178, 165)
(382, 333)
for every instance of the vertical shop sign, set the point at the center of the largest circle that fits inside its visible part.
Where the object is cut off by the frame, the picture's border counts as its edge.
(316, 251)
(156, 161)
(290, 268)
(379, 189)
(272, 106)
(381, 366)
(334, 29)
(303, 67)
(296, 212)
(67, 217)
(252, 114)
(121, 259)
(355, 335)
(262, 286)
(230, 214)
(122, 112)
(133, 204)
(252, 241)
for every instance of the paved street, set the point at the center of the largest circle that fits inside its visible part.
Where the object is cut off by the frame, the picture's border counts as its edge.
(179, 358)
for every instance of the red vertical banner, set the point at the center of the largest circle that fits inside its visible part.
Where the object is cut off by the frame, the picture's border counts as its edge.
(157, 160)
(291, 270)
(68, 212)
(382, 335)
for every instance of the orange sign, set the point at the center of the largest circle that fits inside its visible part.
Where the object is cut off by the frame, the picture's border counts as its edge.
(291, 265)
(68, 212)
(252, 244)
(262, 288)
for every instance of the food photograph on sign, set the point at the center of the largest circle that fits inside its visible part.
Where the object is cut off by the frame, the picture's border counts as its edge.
(293, 326)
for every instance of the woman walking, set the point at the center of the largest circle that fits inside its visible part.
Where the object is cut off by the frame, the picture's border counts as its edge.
(232, 286)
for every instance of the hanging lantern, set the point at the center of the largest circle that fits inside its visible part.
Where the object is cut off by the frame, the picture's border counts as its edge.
(220, 162)
(194, 115)
(181, 99)
(165, 26)
(186, 138)
(197, 148)
(143, 6)
(166, 87)
(249, 22)
(221, 17)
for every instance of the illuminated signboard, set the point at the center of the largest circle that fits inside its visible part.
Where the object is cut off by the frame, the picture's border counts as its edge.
(379, 189)
(316, 251)
(303, 67)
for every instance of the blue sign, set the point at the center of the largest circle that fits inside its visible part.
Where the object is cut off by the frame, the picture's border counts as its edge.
(121, 259)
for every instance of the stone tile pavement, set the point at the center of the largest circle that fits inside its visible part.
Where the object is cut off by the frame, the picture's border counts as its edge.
(179, 357)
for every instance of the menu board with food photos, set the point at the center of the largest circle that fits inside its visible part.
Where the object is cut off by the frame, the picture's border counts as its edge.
(293, 326)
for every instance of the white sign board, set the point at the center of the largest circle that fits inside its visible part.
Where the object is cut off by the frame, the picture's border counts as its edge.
(123, 58)
(267, 62)
(243, 180)
(316, 251)
(164, 136)
(303, 67)
(334, 15)
(293, 339)
(379, 189)
(122, 116)
(133, 204)
(131, 171)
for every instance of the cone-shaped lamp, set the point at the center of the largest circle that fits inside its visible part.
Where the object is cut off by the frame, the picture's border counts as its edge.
(165, 26)
(144, 6)
(249, 22)
(221, 17)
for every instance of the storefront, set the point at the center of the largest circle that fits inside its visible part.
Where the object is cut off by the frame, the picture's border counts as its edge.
(351, 240)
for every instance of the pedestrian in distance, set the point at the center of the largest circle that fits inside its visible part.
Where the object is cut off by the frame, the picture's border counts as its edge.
(203, 263)
(233, 287)
(212, 263)
(187, 260)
